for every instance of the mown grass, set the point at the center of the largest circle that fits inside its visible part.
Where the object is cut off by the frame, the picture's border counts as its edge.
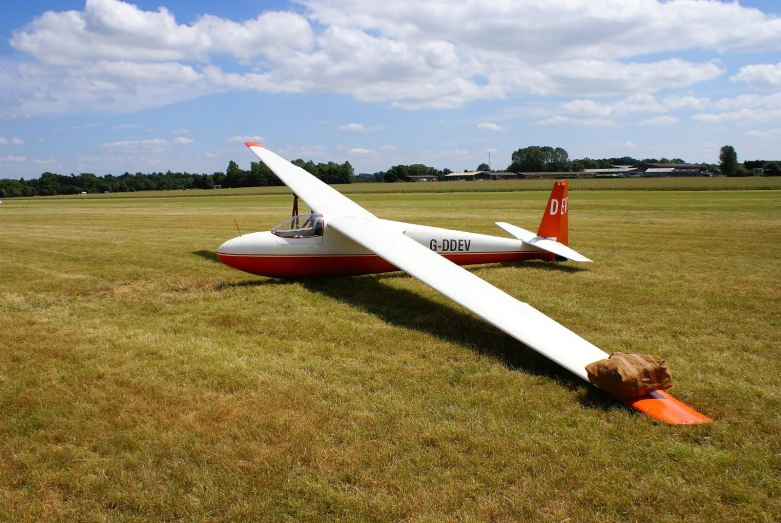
(142, 380)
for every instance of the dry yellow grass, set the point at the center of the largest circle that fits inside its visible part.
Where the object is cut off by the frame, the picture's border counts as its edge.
(141, 380)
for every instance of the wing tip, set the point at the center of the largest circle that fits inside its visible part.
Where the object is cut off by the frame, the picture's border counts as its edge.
(254, 144)
(663, 407)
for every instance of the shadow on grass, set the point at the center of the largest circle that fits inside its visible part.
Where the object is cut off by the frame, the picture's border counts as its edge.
(573, 268)
(410, 310)
(207, 255)
(266, 282)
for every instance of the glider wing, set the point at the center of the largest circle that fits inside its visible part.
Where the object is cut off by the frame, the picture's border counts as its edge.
(319, 196)
(520, 320)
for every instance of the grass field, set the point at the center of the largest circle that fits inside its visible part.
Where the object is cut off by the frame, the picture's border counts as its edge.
(141, 380)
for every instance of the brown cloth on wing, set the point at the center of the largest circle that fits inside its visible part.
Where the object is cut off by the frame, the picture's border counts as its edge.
(628, 376)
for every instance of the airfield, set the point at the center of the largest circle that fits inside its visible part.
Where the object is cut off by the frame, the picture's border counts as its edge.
(142, 380)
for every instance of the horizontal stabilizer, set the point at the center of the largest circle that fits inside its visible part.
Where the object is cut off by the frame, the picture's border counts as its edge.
(545, 244)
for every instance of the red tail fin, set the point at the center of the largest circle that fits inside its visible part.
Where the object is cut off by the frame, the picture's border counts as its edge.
(554, 222)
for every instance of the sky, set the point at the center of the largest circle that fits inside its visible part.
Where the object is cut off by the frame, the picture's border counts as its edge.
(106, 86)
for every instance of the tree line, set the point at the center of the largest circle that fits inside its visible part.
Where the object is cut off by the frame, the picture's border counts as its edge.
(403, 173)
(258, 175)
(728, 164)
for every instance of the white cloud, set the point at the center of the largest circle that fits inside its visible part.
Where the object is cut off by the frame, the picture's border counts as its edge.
(13, 115)
(16, 159)
(661, 120)
(210, 155)
(770, 134)
(50, 161)
(745, 109)
(602, 114)
(629, 145)
(762, 77)
(639, 103)
(242, 139)
(686, 102)
(154, 145)
(12, 141)
(552, 28)
(180, 131)
(182, 140)
(118, 31)
(358, 127)
(489, 126)
(358, 152)
(576, 120)
(315, 153)
(113, 56)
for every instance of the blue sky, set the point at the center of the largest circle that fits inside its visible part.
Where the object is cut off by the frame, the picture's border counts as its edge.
(105, 86)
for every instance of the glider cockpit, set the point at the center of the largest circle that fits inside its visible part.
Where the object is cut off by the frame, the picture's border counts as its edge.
(300, 226)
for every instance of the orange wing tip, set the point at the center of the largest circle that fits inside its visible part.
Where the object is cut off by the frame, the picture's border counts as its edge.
(254, 144)
(663, 407)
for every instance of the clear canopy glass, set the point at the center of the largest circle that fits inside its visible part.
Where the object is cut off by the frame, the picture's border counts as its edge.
(300, 226)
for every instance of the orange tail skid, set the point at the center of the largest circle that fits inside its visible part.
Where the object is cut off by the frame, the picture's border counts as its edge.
(554, 223)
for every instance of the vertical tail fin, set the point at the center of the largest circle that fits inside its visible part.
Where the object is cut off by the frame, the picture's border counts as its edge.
(554, 222)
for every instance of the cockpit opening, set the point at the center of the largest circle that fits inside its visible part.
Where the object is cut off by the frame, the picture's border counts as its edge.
(300, 226)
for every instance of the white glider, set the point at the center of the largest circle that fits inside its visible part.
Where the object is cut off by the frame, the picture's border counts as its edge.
(341, 237)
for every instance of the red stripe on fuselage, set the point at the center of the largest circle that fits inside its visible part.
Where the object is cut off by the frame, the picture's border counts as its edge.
(349, 265)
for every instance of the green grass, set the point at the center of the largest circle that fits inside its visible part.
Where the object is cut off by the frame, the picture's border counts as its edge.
(141, 380)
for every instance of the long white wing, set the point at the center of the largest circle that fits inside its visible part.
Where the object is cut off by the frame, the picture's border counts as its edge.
(520, 320)
(320, 197)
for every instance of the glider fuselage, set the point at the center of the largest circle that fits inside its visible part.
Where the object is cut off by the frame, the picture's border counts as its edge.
(330, 253)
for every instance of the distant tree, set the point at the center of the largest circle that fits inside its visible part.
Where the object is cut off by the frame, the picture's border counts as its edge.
(772, 169)
(728, 161)
(261, 176)
(218, 177)
(11, 188)
(398, 172)
(366, 178)
(754, 164)
(235, 176)
(483, 167)
(624, 160)
(309, 166)
(538, 159)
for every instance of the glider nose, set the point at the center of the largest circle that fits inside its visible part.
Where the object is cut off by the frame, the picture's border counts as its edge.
(227, 250)
(245, 251)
